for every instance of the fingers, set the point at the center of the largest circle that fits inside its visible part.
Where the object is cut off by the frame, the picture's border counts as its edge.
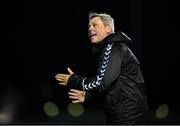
(60, 75)
(76, 95)
(62, 78)
(70, 71)
(75, 91)
(62, 83)
(72, 94)
(76, 101)
(73, 97)
(78, 92)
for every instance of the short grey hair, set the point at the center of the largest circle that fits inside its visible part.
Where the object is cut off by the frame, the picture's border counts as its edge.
(106, 18)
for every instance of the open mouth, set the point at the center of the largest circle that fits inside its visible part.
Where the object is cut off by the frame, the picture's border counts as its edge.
(92, 35)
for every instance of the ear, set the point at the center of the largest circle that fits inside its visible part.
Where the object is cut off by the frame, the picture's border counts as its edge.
(108, 29)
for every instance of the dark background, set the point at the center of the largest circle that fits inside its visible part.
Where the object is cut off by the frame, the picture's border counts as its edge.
(42, 38)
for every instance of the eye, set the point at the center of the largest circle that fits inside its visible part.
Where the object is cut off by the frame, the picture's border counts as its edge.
(92, 25)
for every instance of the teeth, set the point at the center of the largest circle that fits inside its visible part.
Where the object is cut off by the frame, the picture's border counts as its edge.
(92, 34)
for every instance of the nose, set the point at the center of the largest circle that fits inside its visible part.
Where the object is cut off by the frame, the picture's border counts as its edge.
(90, 28)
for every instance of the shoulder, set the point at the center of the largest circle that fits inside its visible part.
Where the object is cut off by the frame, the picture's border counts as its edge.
(119, 47)
(123, 51)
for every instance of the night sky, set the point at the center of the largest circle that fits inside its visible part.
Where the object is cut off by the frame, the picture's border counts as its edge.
(42, 38)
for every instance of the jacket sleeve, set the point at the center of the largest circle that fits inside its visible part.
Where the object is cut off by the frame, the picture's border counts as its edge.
(108, 72)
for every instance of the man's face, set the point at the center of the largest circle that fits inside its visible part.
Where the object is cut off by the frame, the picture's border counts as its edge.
(97, 30)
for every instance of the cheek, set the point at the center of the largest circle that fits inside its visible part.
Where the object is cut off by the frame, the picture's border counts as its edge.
(102, 34)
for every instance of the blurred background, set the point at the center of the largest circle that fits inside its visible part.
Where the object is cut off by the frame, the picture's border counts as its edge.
(42, 38)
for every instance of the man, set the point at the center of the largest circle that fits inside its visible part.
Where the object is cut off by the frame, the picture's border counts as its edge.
(118, 82)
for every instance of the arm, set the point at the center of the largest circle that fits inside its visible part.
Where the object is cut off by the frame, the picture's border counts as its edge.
(108, 72)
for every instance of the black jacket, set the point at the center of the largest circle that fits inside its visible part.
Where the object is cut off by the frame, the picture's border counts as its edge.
(118, 80)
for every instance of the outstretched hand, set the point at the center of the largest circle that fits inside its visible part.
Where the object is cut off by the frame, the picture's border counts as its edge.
(63, 78)
(77, 96)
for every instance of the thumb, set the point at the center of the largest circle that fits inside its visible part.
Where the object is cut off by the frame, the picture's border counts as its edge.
(70, 71)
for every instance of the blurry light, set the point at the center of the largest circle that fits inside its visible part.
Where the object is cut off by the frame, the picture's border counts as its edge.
(162, 111)
(75, 109)
(9, 107)
(51, 109)
(5, 118)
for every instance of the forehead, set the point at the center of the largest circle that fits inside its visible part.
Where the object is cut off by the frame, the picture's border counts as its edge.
(95, 20)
